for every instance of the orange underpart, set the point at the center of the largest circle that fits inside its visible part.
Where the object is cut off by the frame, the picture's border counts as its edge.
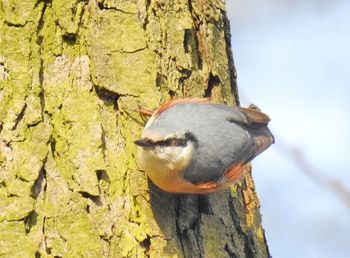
(208, 187)
(233, 173)
(230, 176)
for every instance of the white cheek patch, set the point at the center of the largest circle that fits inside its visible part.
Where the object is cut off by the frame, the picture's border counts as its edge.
(177, 157)
(171, 154)
(163, 165)
(169, 158)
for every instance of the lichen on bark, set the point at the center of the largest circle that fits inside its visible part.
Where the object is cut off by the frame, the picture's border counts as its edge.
(72, 74)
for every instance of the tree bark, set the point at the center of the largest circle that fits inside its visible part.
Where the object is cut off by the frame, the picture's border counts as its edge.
(72, 74)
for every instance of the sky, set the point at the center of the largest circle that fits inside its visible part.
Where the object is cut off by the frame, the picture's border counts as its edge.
(293, 62)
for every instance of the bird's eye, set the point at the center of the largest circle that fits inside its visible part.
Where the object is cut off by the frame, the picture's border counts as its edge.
(172, 142)
(177, 142)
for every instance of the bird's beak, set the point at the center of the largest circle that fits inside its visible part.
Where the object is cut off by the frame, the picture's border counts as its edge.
(144, 143)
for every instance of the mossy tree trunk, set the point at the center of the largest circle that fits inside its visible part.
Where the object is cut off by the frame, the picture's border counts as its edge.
(71, 75)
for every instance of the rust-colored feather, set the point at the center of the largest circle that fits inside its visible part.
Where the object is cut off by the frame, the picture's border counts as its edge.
(207, 187)
(173, 102)
(255, 116)
(234, 173)
(262, 143)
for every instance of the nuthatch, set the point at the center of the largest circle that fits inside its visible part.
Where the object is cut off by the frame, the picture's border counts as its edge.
(193, 146)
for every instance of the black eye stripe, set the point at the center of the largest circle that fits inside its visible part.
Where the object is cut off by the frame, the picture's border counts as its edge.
(189, 137)
(172, 142)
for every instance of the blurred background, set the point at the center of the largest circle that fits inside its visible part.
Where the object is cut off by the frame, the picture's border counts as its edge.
(293, 61)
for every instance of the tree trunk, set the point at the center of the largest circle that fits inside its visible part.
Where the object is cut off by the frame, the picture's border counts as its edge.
(72, 74)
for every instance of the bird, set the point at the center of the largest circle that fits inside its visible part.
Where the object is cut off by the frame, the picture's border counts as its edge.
(194, 146)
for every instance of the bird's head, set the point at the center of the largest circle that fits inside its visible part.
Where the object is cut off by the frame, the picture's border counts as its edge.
(159, 151)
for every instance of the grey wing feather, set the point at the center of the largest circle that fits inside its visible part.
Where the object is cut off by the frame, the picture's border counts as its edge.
(231, 137)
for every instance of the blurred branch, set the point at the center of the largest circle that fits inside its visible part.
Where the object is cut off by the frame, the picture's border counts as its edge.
(316, 174)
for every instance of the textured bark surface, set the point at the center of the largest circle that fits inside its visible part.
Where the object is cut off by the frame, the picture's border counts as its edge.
(71, 75)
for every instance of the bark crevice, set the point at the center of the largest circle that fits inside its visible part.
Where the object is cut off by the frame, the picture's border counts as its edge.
(39, 42)
(70, 169)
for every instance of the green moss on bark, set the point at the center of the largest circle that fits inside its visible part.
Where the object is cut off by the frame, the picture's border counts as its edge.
(72, 74)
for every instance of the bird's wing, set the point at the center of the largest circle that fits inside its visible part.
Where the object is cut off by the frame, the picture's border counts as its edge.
(244, 115)
(255, 122)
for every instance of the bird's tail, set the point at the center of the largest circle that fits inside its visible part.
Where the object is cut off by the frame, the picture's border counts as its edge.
(263, 138)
